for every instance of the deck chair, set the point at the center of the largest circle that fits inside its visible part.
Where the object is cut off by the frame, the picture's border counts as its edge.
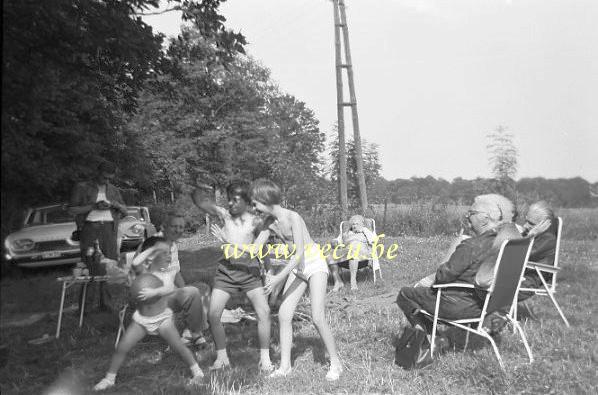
(508, 272)
(548, 288)
(371, 225)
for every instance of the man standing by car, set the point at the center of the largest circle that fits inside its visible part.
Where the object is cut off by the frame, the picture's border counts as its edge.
(97, 206)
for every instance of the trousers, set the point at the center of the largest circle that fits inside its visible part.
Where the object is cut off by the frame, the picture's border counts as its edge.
(454, 304)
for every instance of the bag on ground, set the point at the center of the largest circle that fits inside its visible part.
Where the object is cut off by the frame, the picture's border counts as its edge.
(413, 349)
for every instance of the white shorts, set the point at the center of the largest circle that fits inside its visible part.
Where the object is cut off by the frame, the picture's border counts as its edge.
(153, 323)
(314, 263)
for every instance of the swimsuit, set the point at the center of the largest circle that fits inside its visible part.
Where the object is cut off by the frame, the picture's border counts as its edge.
(153, 323)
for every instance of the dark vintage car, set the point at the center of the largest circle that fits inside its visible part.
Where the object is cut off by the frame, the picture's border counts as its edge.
(45, 237)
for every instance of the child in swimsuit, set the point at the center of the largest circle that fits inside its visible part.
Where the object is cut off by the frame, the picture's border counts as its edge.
(307, 268)
(237, 274)
(152, 317)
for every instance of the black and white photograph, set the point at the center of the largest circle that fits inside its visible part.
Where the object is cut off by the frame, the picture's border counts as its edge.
(299, 197)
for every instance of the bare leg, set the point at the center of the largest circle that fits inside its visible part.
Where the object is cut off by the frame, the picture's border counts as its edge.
(169, 333)
(293, 290)
(132, 336)
(217, 304)
(317, 293)
(338, 281)
(259, 301)
(353, 266)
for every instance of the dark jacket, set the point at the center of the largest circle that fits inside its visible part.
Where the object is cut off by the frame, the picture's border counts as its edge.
(544, 247)
(86, 193)
(464, 263)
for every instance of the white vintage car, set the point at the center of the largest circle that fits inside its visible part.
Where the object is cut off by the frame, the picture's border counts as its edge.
(45, 238)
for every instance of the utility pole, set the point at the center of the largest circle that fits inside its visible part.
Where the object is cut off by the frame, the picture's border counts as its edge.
(342, 147)
(340, 25)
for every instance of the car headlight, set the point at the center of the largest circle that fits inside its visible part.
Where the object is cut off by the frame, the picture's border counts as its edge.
(23, 245)
(136, 229)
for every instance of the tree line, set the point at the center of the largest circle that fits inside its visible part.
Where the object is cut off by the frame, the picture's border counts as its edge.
(560, 192)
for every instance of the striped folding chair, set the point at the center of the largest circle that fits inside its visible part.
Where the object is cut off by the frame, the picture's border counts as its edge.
(508, 272)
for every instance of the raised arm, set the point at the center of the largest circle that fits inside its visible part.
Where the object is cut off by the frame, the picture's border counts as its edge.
(204, 202)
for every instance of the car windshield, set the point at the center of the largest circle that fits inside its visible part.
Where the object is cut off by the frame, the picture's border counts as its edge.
(50, 215)
(134, 212)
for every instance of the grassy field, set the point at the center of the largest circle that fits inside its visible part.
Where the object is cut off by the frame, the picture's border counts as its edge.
(365, 324)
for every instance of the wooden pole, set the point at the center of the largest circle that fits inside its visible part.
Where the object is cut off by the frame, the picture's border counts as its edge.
(342, 147)
(363, 197)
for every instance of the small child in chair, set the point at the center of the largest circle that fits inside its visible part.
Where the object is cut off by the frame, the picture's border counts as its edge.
(356, 246)
(152, 317)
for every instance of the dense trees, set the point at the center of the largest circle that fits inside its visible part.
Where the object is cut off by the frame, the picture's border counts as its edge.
(72, 73)
(85, 80)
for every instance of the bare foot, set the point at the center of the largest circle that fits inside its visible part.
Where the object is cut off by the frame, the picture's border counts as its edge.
(338, 287)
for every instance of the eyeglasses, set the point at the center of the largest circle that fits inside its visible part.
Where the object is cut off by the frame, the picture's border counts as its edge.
(471, 213)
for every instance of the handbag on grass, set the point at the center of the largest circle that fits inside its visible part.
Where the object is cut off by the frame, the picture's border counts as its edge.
(413, 349)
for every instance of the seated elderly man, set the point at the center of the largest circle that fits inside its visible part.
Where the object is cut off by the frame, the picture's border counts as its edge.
(506, 229)
(540, 223)
(483, 217)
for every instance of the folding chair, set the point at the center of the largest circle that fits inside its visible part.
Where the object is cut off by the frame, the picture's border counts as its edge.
(371, 224)
(548, 287)
(508, 272)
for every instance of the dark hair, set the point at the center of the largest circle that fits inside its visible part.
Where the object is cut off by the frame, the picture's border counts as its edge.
(152, 241)
(107, 167)
(239, 187)
(266, 192)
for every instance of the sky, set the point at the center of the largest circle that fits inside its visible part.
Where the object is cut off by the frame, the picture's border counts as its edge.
(433, 77)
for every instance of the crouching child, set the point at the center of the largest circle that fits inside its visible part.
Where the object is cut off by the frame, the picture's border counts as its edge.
(153, 316)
